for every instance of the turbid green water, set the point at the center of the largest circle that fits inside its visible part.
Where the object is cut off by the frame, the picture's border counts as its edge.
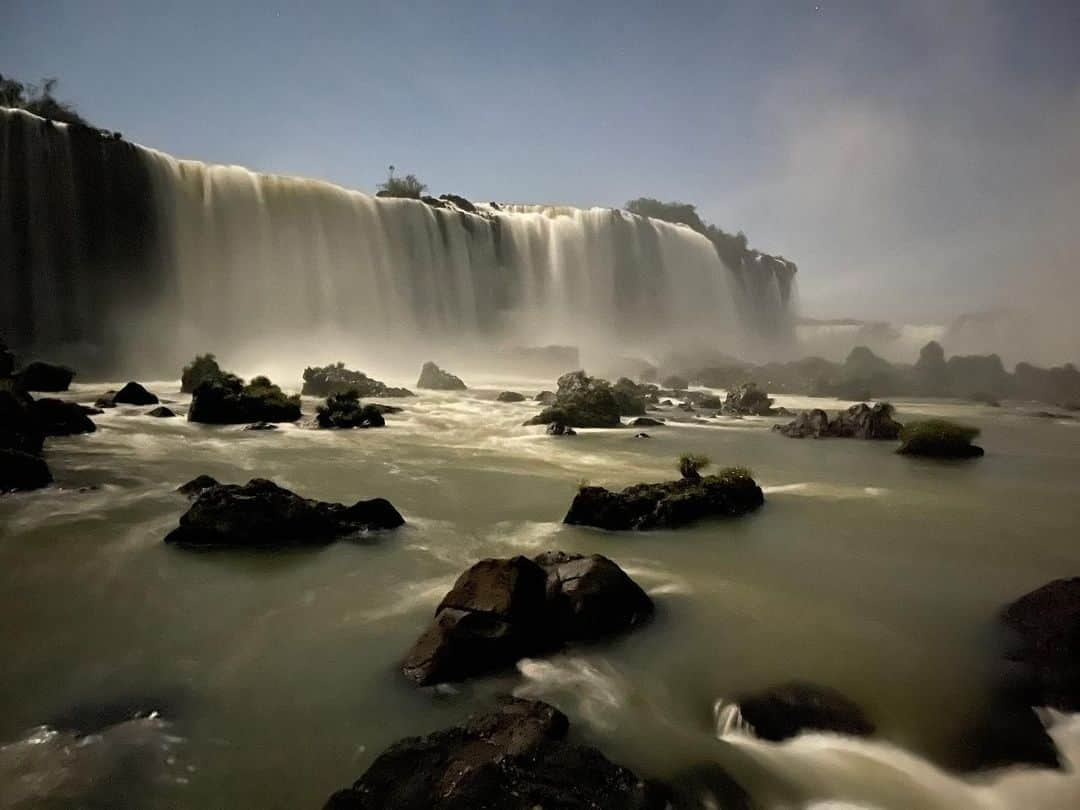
(276, 673)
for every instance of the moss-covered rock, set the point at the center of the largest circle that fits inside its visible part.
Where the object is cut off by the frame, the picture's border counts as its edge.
(581, 401)
(345, 410)
(204, 368)
(938, 438)
(225, 400)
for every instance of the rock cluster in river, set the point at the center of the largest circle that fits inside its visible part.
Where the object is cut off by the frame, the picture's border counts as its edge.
(260, 514)
(345, 410)
(669, 504)
(336, 379)
(434, 378)
(225, 400)
(749, 400)
(860, 421)
(584, 401)
(501, 610)
(515, 757)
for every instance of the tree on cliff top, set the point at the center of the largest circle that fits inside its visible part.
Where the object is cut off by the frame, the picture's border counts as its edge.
(39, 100)
(407, 186)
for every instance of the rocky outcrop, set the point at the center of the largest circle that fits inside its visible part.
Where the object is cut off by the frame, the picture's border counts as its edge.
(134, 394)
(630, 397)
(515, 757)
(666, 505)
(204, 368)
(38, 376)
(22, 471)
(336, 379)
(345, 411)
(260, 514)
(227, 401)
(785, 711)
(581, 401)
(161, 412)
(748, 400)
(938, 438)
(860, 421)
(501, 610)
(510, 396)
(434, 378)
(55, 417)
(1046, 624)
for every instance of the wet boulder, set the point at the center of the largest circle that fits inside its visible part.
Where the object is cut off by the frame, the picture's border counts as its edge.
(106, 400)
(939, 438)
(581, 401)
(784, 711)
(748, 400)
(19, 426)
(510, 396)
(501, 610)
(670, 504)
(545, 398)
(336, 379)
(434, 378)
(227, 401)
(559, 429)
(161, 412)
(59, 418)
(346, 411)
(647, 421)
(515, 757)
(22, 471)
(1046, 628)
(197, 485)
(258, 426)
(38, 376)
(812, 424)
(134, 394)
(260, 514)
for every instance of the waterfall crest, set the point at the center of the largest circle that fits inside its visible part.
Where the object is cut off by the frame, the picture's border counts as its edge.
(108, 242)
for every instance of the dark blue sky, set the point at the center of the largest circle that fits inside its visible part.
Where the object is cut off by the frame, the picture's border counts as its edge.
(916, 159)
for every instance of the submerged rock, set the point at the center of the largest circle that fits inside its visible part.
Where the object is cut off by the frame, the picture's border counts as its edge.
(515, 757)
(261, 426)
(784, 711)
(161, 412)
(581, 401)
(38, 376)
(434, 378)
(260, 514)
(1046, 622)
(510, 396)
(670, 504)
(501, 610)
(22, 471)
(860, 421)
(642, 435)
(336, 379)
(938, 438)
(345, 411)
(134, 394)
(559, 429)
(647, 421)
(227, 401)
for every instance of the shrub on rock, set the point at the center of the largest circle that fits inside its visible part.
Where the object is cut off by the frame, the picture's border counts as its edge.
(515, 757)
(938, 438)
(134, 394)
(226, 400)
(345, 410)
(260, 514)
(434, 378)
(730, 493)
(501, 610)
(204, 368)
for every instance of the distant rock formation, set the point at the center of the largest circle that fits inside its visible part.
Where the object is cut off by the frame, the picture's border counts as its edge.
(434, 378)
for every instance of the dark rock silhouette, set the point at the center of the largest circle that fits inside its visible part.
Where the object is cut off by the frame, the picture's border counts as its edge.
(434, 378)
(785, 711)
(22, 471)
(225, 400)
(345, 410)
(510, 396)
(38, 376)
(134, 394)
(336, 379)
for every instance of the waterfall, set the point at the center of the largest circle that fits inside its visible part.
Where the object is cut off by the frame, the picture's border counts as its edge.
(131, 251)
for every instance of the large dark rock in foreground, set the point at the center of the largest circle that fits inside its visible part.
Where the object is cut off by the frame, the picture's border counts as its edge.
(22, 471)
(336, 379)
(434, 378)
(582, 401)
(860, 421)
(134, 394)
(19, 427)
(345, 411)
(56, 417)
(666, 505)
(227, 401)
(784, 711)
(1046, 622)
(513, 758)
(38, 376)
(501, 610)
(260, 514)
